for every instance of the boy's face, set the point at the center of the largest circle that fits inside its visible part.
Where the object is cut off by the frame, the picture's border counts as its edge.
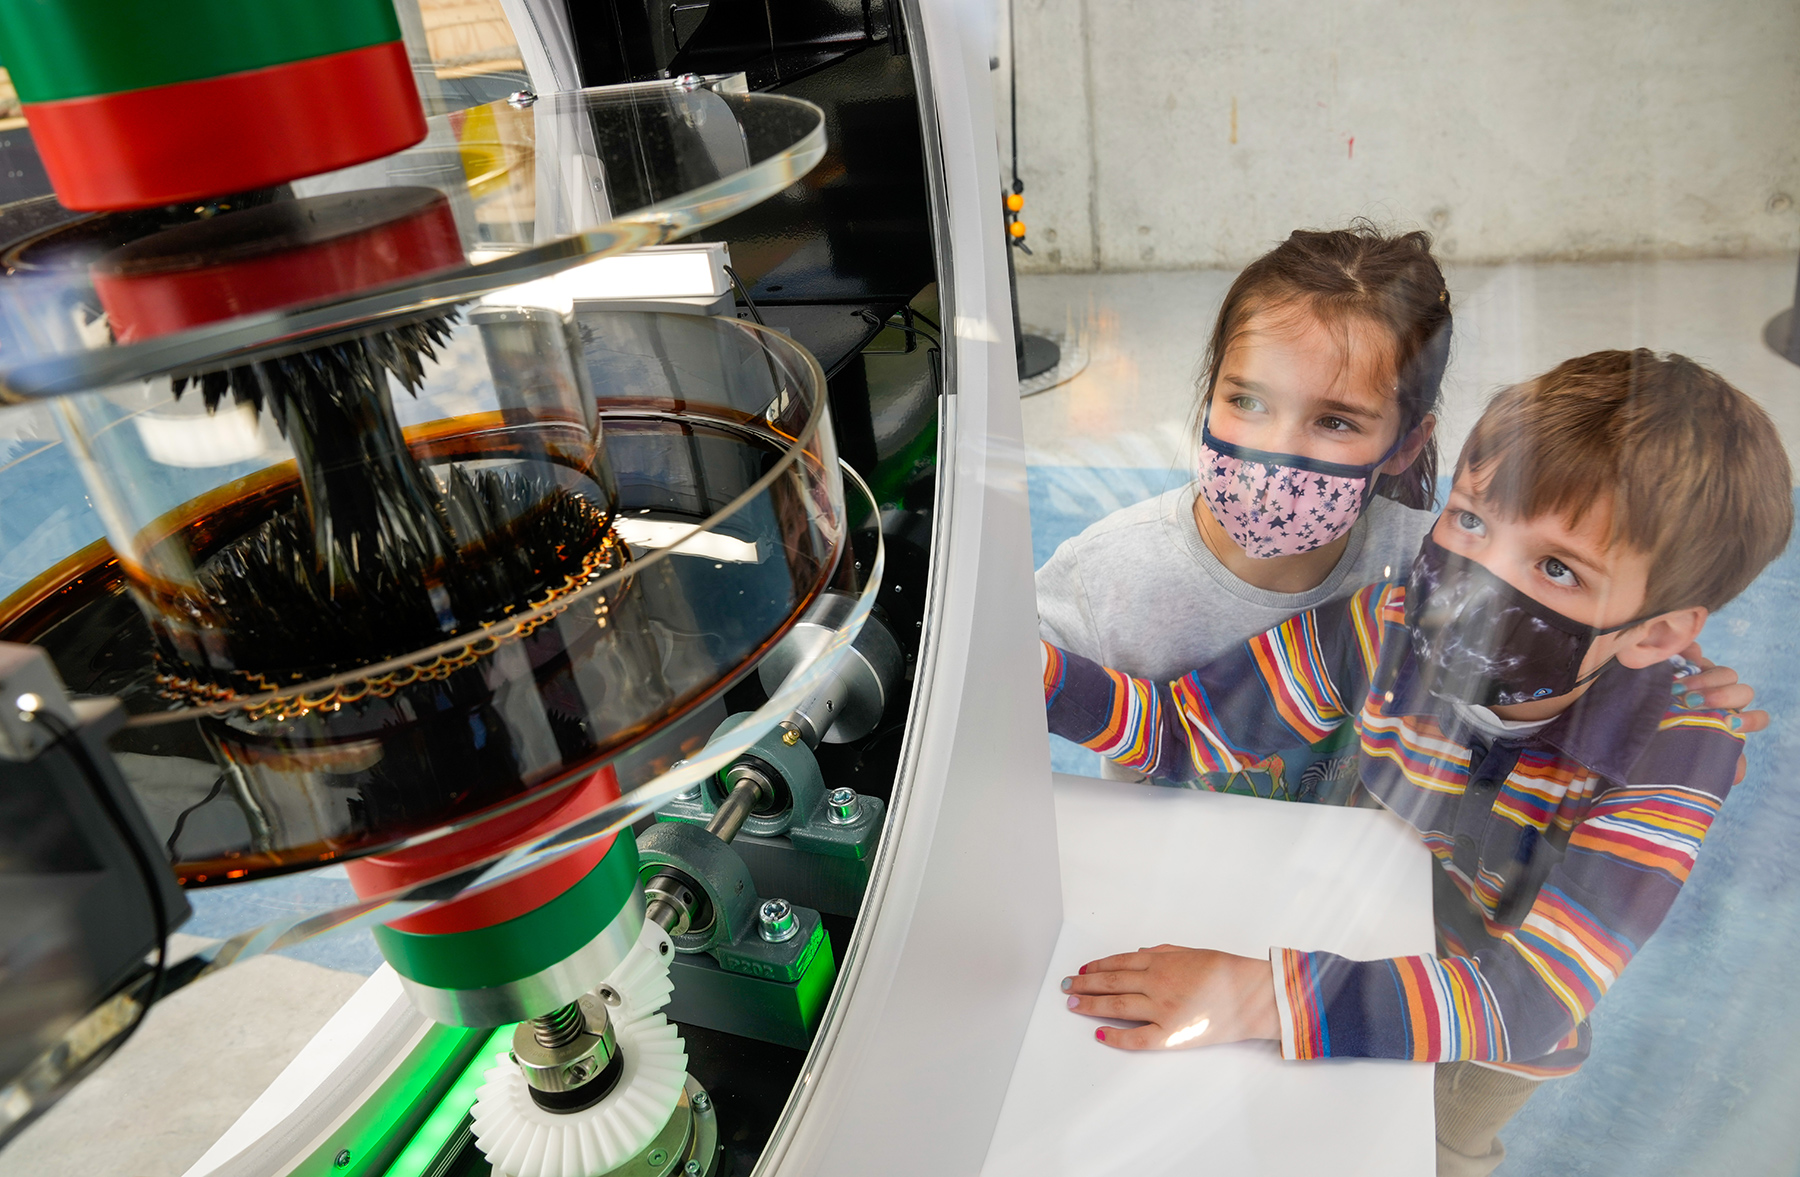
(1569, 568)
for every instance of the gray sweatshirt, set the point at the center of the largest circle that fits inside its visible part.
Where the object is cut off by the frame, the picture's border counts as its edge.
(1140, 592)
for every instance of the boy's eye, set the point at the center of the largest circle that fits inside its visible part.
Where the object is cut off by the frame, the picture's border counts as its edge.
(1471, 523)
(1560, 573)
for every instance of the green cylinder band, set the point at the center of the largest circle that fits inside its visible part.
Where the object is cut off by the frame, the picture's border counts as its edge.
(528, 944)
(56, 49)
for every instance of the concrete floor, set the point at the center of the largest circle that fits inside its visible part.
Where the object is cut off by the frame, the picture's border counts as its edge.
(1146, 333)
(200, 1058)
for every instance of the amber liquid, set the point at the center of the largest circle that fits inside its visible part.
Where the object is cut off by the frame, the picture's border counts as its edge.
(236, 796)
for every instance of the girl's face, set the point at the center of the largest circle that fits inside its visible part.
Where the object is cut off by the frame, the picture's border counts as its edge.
(1289, 384)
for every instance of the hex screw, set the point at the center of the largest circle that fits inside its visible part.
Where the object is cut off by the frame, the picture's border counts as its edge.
(702, 1101)
(342, 1160)
(843, 806)
(776, 920)
(657, 1156)
(581, 1070)
(691, 1168)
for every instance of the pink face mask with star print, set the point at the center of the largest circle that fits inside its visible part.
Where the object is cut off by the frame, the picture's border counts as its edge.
(1282, 504)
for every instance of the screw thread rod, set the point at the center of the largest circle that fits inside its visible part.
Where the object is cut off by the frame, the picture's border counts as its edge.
(559, 1027)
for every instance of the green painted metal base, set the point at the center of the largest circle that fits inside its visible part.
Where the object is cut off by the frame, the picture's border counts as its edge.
(783, 1012)
(829, 884)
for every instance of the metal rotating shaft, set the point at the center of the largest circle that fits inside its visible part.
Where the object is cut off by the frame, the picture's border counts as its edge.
(674, 903)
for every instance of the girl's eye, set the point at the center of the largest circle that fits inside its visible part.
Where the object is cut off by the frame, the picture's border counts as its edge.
(1559, 573)
(1471, 523)
(1246, 403)
(1336, 425)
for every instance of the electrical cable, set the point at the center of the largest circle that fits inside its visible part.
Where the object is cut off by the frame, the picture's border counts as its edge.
(738, 285)
(1012, 86)
(928, 321)
(63, 734)
(181, 818)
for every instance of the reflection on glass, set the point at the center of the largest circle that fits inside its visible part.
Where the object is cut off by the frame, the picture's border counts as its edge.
(1503, 658)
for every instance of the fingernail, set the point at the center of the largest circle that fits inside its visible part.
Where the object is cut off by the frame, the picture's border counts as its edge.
(1082, 971)
(1067, 982)
(1693, 700)
(1676, 687)
(1737, 725)
(1100, 1035)
(1074, 1002)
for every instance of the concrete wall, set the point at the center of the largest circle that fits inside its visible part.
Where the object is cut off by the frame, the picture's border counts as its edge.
(1179, 133)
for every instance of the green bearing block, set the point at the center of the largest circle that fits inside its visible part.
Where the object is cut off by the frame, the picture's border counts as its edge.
(785, 1013)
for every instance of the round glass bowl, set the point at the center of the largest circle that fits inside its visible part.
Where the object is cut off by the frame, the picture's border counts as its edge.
(572, 532)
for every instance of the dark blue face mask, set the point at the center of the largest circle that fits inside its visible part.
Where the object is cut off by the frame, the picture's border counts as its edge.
(1477, 639)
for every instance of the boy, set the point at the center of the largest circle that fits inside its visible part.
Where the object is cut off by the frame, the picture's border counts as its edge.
(1512, 698)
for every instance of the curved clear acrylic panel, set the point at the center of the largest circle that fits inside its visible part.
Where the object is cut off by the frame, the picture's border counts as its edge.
(495, 194)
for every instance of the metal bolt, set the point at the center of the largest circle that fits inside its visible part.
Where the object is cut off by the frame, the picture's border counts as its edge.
(843, 806)
(688, 81)
(691, 1168)
(581, 1070)
(791, 736)
(610, 995)
(702, 1101)
(777, 920)
(657, 1156)
(342, 1160)
(521, 98)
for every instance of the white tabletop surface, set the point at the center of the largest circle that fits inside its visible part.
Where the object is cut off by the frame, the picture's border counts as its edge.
(1144, 865)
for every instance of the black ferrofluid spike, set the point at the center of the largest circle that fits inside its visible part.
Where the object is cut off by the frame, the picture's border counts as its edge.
(376, 557)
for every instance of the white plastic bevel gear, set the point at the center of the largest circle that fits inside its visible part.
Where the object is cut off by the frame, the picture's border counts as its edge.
(522, 1139)
(642, 979)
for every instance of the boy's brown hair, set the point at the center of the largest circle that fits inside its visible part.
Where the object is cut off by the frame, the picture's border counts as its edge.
(1692, 470)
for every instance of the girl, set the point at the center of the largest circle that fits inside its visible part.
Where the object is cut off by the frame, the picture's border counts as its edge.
(1317, 406)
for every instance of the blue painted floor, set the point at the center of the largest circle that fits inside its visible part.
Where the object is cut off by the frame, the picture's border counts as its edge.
(1696, 1064)
(220, 912)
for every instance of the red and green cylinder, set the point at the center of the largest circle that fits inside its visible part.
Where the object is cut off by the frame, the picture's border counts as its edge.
(523, 947)
(133, 104)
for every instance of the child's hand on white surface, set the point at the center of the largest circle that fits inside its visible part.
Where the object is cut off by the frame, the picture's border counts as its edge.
(1186, 997)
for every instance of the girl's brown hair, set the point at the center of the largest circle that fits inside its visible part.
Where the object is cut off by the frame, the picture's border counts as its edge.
(1358, 273)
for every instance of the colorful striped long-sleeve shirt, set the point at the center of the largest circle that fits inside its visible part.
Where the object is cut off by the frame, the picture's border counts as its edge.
(1558, 852)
